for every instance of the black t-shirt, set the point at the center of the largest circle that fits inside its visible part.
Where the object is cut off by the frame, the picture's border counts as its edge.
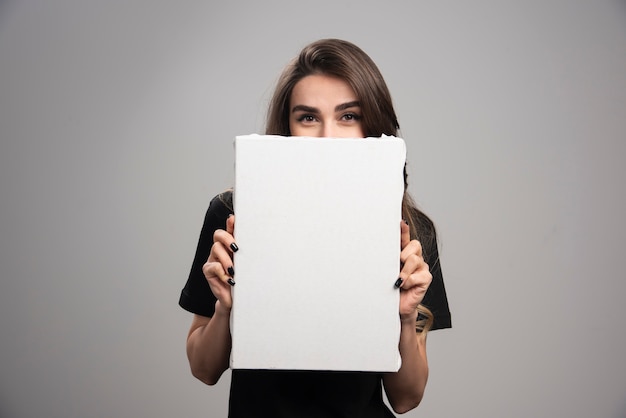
(314, 394)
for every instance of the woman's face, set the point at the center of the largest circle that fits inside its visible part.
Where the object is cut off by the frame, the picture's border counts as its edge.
(324, 106)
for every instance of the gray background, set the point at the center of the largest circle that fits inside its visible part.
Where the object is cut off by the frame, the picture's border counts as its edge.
(116, 123)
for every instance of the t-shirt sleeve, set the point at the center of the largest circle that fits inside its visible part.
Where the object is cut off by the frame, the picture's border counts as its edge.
(435, 298)
(196, 296)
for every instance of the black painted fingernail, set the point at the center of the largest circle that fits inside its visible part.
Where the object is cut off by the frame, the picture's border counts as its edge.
(398, 283)
(231, 270)
(231, 282)
(234, 247)
(405, 221)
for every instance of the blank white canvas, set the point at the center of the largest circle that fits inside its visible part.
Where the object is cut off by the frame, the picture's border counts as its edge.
(318, 230)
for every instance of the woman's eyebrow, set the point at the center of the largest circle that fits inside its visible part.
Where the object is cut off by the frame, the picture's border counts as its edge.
(304, 108)
(347, 105)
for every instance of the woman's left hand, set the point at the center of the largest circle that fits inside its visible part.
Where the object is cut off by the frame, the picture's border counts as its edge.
(414, 273)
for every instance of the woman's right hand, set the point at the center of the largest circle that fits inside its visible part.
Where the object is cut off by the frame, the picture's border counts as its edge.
(219, 269)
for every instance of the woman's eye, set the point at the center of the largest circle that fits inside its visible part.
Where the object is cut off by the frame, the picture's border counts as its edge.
(351, 117)
(306, 118)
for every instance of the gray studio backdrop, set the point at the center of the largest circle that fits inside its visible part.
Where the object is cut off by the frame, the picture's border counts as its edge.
(116, 124)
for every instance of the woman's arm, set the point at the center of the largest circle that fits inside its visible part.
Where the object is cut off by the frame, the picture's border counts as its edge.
(209, 344)
(209, 340)
(405, 388)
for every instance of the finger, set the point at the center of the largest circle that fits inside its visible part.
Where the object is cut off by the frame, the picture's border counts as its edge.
(405, 234)
(414, 247)
(222, 255)
(408, 247)
(214, 270)
(219, 282)
(230, 224)
(410, 298)
(420, 276)
(414, 265)
(226, 239)
(230, 228)
(410, 262)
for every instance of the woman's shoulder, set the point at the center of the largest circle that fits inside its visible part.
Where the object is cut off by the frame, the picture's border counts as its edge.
(220, 208)
(222, 203)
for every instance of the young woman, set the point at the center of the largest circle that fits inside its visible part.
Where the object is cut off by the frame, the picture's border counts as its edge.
(332, 89)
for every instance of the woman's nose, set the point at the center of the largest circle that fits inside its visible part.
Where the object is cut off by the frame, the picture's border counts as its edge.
(329, 130)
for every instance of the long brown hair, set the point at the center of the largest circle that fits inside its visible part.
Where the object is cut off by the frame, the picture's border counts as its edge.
(348, 62)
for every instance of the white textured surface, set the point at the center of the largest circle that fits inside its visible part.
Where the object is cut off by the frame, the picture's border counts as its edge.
(318, 227)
